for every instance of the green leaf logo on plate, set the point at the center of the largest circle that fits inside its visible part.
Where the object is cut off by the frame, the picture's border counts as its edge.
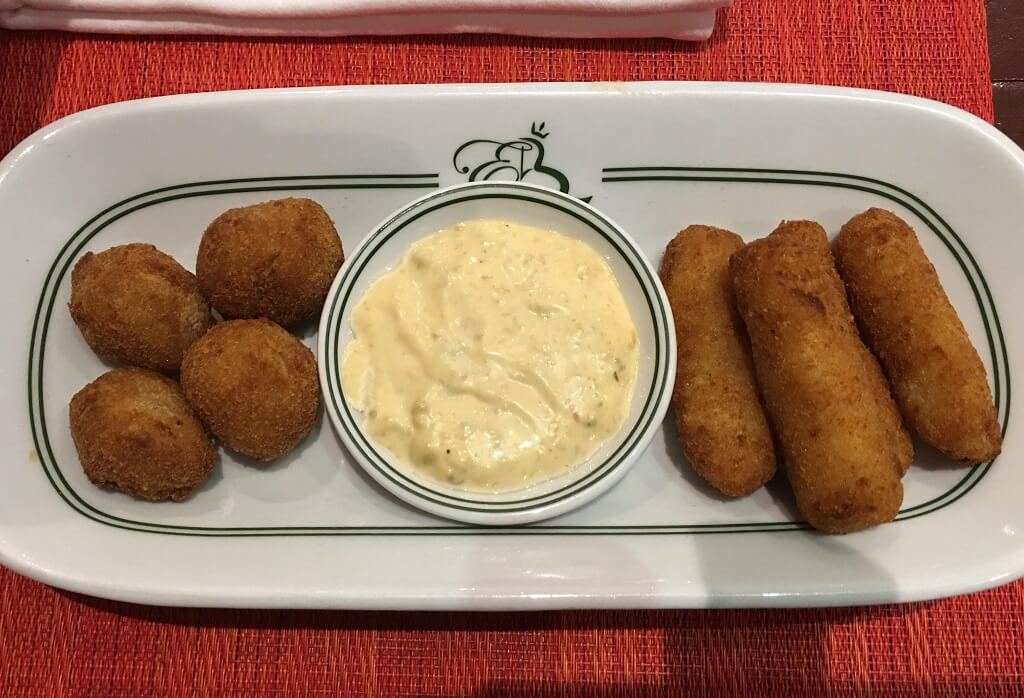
(517, 160)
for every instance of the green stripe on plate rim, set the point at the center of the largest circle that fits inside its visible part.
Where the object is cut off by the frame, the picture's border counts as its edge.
(329, 347)
(624, 174)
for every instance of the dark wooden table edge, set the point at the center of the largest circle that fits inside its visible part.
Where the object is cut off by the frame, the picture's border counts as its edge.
(1006, 48)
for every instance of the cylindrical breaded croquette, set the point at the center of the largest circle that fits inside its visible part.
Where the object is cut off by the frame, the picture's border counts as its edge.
(906, 318)
(134, 432)
(136, 305)
(841, 436)
(275, 260)
(722, 423)
(254, 385)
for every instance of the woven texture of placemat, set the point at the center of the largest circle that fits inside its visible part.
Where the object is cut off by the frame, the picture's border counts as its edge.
(53, 643)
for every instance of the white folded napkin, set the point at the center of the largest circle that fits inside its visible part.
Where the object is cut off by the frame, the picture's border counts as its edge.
(678, 19)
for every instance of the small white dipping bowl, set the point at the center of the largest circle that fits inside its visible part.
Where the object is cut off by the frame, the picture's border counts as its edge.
(384, 248)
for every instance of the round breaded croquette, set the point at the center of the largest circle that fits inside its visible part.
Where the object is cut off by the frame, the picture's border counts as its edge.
(254, 385)
(135, 433)
(906, 318)
(275, 260)
(136, 305)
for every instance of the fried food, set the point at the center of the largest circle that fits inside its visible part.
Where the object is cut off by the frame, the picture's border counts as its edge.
(254, 385)
(936, 375)
(722, 423)
(135, 305)
(135, 433)
(275, 260)
(842, 438)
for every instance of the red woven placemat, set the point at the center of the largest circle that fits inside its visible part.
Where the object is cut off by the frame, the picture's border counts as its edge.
(52, 643)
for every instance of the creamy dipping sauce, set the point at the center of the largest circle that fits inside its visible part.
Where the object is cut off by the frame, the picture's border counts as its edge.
(495, 356)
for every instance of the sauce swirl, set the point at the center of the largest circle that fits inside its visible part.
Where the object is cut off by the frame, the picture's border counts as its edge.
(495, 356)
